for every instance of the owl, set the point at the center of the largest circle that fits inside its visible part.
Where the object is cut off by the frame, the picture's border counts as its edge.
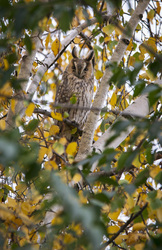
(77, 84)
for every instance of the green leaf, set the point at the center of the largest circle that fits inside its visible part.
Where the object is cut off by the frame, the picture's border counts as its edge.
(32, 125)
(141, 177)
(158, 178)
(139, 86)
(28, 43)
(126, 159)
(155, 67)
(85, 214)
(98, 48)
(154, 242)
(73, 99)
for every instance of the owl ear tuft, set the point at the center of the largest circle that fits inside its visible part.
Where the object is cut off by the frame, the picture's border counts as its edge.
(90, 55)
(74, 52)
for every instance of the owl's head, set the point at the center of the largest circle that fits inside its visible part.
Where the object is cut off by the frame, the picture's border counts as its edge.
(82, 68)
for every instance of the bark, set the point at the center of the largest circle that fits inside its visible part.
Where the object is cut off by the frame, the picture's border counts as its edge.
(52, 59)
(85, 146)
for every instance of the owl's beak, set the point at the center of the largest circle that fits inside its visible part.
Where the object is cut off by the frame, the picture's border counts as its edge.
(79, 71)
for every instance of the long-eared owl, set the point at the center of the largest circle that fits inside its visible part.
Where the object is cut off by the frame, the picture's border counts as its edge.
(78, 83)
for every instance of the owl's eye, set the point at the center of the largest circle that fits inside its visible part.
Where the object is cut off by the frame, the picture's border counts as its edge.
(86, 68)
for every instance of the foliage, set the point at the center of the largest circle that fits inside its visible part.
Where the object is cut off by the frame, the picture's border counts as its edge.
(42, 204)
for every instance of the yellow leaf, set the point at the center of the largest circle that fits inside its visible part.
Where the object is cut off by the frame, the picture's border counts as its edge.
(139, 246)
(95, 88)
(77, 228)
(159, 194)
(77, 177)
(154, 171)
(56, 221)
(113, 100)
(130, 202)
(136, 162)
(151, 14)
(21, 187)
(76, 40)
(68, 238)
(71, 148)
(6, 64)
(95, 137)
(11, 202)
(131, 61)
(30, 109)
(2, 124)
(114, 215)
(63, 141)
(120, 239)
(130, 46)
(124, 103)
(107, 39)
(138, 227)
(113, 229)
(138, 27)
(35, 64)
(133, 238)
(48, 75)
(98, 74)
(53, 88)
(6, 90)
(56, 116)
(142, 49)
(158, 7)
(54, 129)
(108, 29)
(128, 177)
(56, 46)
(46, 134)
(42, 152)
(5, 213)
(152, 43)
(26, 208)
(49, 165)
(47, 40)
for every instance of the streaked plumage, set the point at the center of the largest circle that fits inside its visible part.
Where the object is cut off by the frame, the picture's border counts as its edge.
(78, 81)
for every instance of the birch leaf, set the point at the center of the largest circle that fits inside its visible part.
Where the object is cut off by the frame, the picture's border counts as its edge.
(2, 124)
(56, 116)
(113, 229)
(56, 46)
(71, 148)
(54, 129)
(113, 100)
(13, 104)
(59, 148)
(108, 29)
(30, 109)
(47, 40)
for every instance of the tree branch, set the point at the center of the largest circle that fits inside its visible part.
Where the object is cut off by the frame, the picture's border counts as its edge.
(52, 59)
(26, 66)
(90, 126)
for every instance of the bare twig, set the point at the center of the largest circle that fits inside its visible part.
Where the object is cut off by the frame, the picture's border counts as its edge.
(132, 217)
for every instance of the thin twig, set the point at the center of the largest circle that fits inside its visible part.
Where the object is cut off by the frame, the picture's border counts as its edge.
(132, 217)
